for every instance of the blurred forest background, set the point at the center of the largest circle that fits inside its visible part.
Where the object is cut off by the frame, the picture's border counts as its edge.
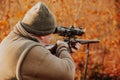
(100, 18)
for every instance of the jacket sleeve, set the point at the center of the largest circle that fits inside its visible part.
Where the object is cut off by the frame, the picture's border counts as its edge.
(41, 64)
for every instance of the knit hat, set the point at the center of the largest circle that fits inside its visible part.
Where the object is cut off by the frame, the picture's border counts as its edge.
(39, 20)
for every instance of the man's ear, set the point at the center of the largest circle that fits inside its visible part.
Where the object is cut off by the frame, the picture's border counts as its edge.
(41, 37)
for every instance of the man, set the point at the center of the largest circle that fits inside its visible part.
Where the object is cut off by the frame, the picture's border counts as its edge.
(23, 55)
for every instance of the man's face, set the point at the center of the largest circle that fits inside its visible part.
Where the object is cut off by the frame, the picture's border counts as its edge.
(45, 39)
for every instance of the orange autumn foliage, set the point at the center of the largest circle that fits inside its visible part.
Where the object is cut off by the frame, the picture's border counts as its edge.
(100, 18)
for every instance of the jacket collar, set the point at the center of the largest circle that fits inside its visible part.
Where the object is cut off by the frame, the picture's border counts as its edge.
(19, 30)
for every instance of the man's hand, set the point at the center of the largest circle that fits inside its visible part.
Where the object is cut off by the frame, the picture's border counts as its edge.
(62, 44)
(75, 47)
(58, 46)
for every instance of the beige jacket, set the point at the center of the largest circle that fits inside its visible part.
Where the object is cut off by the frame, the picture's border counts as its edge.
(22, 54)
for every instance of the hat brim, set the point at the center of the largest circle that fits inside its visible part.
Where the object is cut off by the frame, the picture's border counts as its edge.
(36, 32)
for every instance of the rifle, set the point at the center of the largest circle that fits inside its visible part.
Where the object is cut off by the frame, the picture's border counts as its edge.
(71, 33)
(70, 37)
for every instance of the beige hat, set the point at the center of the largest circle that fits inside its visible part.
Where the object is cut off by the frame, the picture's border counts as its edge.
(39, 20)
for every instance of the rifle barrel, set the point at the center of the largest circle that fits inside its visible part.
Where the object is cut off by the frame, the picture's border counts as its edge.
(83, 41)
